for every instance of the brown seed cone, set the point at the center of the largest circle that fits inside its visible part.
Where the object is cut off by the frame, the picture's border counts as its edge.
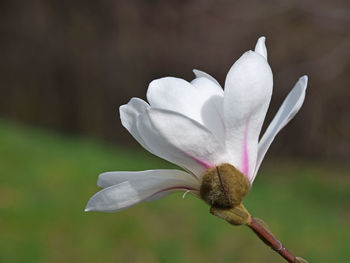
(224, 186)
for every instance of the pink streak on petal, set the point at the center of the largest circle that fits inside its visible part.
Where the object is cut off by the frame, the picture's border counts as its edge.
(206, 165)
(245, 156)
(203, 163)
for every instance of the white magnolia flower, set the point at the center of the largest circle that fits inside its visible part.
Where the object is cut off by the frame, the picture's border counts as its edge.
(197, 125)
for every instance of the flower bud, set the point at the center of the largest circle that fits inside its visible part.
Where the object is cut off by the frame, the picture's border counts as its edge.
(224, 186)
(235, 216)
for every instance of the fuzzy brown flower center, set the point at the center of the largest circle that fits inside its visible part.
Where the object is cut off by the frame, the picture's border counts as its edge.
(224, 186)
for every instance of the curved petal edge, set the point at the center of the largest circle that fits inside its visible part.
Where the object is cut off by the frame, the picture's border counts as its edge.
(289, 108)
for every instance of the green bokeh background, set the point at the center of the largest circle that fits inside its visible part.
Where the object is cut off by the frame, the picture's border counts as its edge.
(46, 180)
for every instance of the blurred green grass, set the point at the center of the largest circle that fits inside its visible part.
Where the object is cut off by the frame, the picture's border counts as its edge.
(46, 180)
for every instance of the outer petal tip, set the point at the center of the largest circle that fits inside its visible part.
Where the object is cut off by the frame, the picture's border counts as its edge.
(164, 81)
(198, 73)
(305, 80)
(91, 205)
(301, 84)
(100, 181)
(128, 112)
(122, 108)
(260, 47)
(123, 114)
(88, 207)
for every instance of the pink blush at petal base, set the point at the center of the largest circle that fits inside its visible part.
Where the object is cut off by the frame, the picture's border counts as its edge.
(245, 156)
(203, 163)
(206, 165)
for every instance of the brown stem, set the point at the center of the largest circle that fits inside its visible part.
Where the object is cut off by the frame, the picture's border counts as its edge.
(270, 240)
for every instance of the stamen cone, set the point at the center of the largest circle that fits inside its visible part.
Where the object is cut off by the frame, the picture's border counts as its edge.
(224, 186)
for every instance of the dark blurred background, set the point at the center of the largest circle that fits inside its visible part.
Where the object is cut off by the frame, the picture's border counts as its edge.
(66, 67)
(69, 65)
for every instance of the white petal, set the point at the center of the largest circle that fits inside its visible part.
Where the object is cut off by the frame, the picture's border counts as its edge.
(201, 102)
(168, 192)
(162, 194)
(207, 87)
(133, 191)
(212, 112)
(181, 140)
(177, 95)
(260, 47)
(248, 89)
(199, 73)
(129, 114)
(286, 112)
(112, 178)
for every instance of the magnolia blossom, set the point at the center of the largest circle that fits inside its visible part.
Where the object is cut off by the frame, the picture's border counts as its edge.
(198, 125)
